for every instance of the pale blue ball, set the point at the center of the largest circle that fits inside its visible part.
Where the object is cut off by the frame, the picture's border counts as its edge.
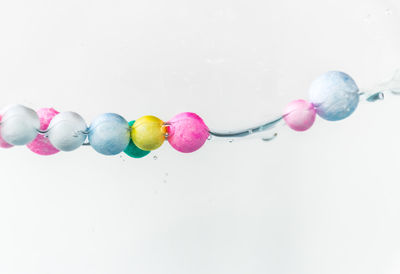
(67, 131)
(19, 125)
(109, 134)
(334, 95)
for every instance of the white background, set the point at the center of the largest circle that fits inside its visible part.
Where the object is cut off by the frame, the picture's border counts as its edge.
(323, 201)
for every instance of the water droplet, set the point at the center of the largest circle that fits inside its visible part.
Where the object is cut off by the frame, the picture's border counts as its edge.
(166, 174)
(209, 137)
(388, 12)
(267, 139)
(230, 140)
(155, 157)
(250, 131)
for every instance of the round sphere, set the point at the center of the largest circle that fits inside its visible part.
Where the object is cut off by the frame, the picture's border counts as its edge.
(19, 125)
(132, 150)
(299, 115)
(187, 132)
(41, 145)
(3, 144)
(67, 131)
(109, 134)
(334, 95)
(148, 133)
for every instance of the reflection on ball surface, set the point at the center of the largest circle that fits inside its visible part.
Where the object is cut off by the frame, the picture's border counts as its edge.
(109, 134)
(3, 144)
(67, 131)
(41, 145)
(148, 132)
(19, 125)
(187, 132)
(334, 95)
(299, 115)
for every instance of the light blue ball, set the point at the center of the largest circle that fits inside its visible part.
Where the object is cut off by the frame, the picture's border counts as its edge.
(109, 134)
(67, 131)
(19, 125)
(334, 95)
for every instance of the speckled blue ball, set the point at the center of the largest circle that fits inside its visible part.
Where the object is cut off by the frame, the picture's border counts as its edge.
(334, 95)
(109, 134)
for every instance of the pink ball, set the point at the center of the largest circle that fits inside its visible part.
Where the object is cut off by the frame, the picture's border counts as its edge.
(41, 145)
(3, 143)
(299, 115)
(187, 132)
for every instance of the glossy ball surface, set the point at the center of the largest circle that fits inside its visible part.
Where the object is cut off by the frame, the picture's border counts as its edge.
(132, 150)
(41, 145)
(148, 133)
(187, 132)
(109, 134)
(3, 144)
(299, 115)
(67, 131)
(19, 125)
(334, 95)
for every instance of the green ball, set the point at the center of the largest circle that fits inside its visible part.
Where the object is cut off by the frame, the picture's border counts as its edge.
(132, 150)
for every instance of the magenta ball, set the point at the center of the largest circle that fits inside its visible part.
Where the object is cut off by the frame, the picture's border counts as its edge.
(299, 115)
(3, 143)
(41, 144)
(187, 132)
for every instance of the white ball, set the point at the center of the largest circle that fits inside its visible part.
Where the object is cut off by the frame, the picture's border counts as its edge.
(67, 131)
(19, 125)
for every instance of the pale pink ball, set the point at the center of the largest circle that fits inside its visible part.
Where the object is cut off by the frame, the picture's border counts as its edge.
(3, 143)
(187, 132)
(299, 115)
(41, 145)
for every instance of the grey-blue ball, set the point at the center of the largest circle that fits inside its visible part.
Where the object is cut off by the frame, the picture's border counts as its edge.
(19, 125)
(109, 134)
(67, 131)
(334, 95)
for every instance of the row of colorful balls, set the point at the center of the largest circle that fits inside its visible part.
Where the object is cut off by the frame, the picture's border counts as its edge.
(333, 96)
(47, 132)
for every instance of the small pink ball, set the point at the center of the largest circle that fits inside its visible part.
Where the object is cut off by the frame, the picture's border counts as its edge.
(3, 143)
(299, 115)
(187, 132)
(41, 144)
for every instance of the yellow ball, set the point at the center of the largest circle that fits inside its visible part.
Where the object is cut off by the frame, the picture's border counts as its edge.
(148, 132)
